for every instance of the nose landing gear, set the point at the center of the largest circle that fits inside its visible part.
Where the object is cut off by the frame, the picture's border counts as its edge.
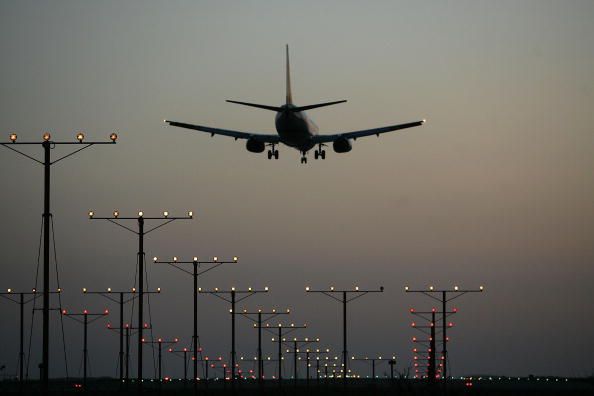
(303, 158)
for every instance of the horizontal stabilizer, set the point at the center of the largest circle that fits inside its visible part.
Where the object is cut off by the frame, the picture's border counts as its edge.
(314, 106)
(259, 106)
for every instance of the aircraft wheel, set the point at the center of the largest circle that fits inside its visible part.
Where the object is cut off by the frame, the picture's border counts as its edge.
(323, 154)
(269, 154)
(316, 155)
(275, 154)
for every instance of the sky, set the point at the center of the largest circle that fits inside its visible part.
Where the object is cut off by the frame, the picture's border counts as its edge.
(496, 189)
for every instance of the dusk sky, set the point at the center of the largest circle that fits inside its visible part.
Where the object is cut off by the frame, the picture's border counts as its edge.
(497, 189)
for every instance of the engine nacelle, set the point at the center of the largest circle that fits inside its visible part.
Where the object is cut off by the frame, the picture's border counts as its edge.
(342, 145)
(254, 146)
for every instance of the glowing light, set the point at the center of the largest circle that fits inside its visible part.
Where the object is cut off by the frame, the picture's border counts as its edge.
(165, 213)
(235, 258)
(10, 290)
(174, 258)
(91, 214)
(47, 136)
(80, 136)
(158, 290)
(456, 288)
(13, 137)
(265, 288)
(306, 288)
(215, 258)
(116, 214)
(109, 289)
(155, 259)
(190, 214)
(84, 289)
(140, 214)
(405, 288)
(195, 258)
(113, 137)
(481, 288)
(430, 287)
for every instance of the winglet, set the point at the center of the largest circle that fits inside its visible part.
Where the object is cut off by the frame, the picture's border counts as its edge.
(289, 94)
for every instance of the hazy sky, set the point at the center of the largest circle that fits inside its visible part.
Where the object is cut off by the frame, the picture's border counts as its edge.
(496, 189)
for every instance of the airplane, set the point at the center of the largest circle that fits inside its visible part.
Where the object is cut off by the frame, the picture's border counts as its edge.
(295, 129)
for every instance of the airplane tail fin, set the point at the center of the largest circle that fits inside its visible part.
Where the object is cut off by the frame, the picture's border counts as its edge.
(289, 94)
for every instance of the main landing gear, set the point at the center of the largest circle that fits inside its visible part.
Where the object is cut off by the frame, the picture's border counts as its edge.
(303, 158)
(320, 153)
(273, 153)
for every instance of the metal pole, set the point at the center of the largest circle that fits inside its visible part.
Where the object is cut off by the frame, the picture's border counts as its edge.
(160, 376)
(295, 363)
(195, 335)
(373, 369)
(21, 353)
(260, 362)
(85, 351)
(121, 336)
(46, 271)
(233, 338)
(344, 339)
(186, 367)
(307, 368)
(127, 355)
(432, 371)
(444, 329)
(141, 297)
(280, 356)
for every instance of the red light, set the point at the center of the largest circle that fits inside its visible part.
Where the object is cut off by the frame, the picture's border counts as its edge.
(412, 310)
(455, 309)
(85, 312)
(414, 339)
(159, 340)
(63, 312)
(433, 310)
(106, 311)
(413, 324)
(451, 324)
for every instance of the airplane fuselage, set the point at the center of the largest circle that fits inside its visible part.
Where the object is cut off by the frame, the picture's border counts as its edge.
(295, 128)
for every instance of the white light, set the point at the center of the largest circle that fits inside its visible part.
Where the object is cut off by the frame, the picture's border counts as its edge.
(91, 214)
(84, 290)
(456, 288)
(306, 288)
(235, 258)
(406, 288)
(332, 288)
(13, 137)
(165, 213)
(481, 288)
(10, 290)
(265, 288)
(174, 258)
(356, 288)
(158, 290)
(116, 214)
(430, 287)
(215, 258)
(109, 289)
(195, 258)
(190, 214)
(80, 136)
(47, 136)
(140, 214)
(155, 259)
(113, 137)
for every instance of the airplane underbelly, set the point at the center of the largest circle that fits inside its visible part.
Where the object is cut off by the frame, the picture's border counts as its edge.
(293, 131)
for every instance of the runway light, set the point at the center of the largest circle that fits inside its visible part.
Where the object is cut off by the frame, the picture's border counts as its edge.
(10, 290)
(190, 214)
(84, 289)
(174, 258)
(235, 258)
(109, 289)
(165, 213)
(356, 288)
(405, 288)
(47, 136)
(140, 214)
(306, 288)
(13, 137)
(430, 287)
(80, 136)
(195, 258)
(113, 137)
(481, 288)
(215, 258)
(456, 288)
(265, 288)
(91, 214)
(116, 214)
(155, 259)
(158, 290)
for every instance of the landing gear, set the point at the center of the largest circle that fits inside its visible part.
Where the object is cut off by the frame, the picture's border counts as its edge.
(303, 158)
(320, 153)
(273, 153)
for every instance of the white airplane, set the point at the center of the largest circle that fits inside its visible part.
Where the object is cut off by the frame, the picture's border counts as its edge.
(295, 129)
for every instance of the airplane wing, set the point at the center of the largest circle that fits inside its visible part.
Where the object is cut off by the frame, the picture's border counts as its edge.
(227, 132)
(366, 132)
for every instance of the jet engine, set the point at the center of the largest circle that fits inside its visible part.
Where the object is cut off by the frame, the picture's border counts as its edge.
(342, 145)
(254, 145)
